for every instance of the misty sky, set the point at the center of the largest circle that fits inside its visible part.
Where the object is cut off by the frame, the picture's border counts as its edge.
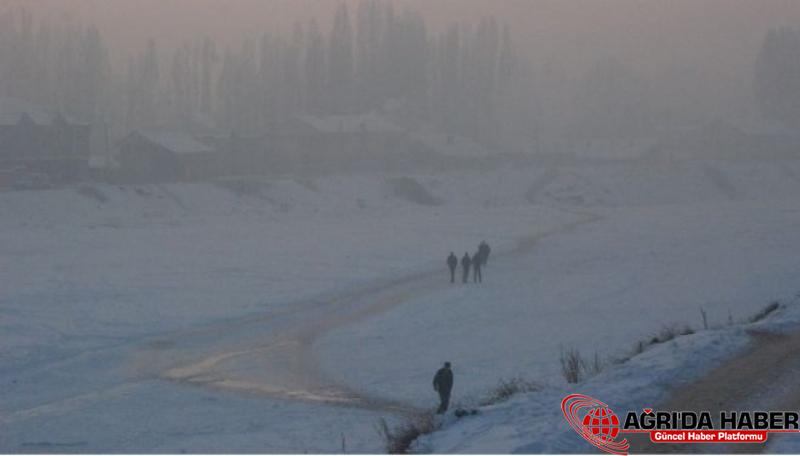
(627, 27)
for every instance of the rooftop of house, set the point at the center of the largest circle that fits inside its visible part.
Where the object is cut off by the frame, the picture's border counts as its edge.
(351, 123)
(15, 110)
(175, 141)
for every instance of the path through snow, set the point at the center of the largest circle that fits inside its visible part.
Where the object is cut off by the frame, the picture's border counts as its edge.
(762, 378)
(273, 355)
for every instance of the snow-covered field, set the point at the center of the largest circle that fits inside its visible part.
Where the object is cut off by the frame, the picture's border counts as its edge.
(594, 258)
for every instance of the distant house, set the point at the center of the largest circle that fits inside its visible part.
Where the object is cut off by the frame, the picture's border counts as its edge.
(163, 156)
(346, 142)
(35, 139)
(242, 155)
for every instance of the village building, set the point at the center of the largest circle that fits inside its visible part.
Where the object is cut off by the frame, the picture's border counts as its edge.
(244, 155)
(165, 156)
(361, 142)
(34, 139)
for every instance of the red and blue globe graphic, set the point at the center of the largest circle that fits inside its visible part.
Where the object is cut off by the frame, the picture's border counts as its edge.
(602, 423)
(594, 421)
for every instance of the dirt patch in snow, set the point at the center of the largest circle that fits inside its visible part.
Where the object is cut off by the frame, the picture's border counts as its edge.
(748, 382)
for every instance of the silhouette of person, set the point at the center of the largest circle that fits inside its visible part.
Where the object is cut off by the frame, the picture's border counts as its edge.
(484, 250)
(452, 263)
(443, 384)
(477, 260)
(465, 263)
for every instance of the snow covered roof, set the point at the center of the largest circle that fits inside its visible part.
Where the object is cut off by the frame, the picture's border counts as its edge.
(356, 123)
(102, 162)
(13, 110)
(177, 142)
(612, 149)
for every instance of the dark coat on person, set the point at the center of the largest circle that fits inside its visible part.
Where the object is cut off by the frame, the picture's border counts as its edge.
(443, 381)
(466, 262)
(452, 261)
(484, 250)
(477, 260)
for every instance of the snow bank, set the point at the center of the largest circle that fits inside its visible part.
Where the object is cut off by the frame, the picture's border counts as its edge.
(410, 189)
(533, 423)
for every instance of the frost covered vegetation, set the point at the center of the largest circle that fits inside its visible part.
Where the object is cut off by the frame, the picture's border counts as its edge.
(398, 439)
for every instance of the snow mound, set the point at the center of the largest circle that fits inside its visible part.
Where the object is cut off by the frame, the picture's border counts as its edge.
(646, 184)
(409, 189)
(575, 190)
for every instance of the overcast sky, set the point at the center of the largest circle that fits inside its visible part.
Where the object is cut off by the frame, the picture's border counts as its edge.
(561, 25)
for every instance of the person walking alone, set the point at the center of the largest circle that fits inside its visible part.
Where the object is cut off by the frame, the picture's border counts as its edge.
(443, 384)
(452, 263)
(465, 264)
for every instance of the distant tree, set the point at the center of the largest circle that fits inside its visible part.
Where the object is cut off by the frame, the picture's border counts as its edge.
(367, 53)
(506, 92)
(93, 71)
(777, 76)
(314, 69)
(180, 89)
(459, 80)
(148, 74)
(340, 63)
(613, 101)
(450, 79)
(238, 90)
(208, 60)
(292, 77)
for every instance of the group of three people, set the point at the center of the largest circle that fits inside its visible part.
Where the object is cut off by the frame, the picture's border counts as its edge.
(476, 262)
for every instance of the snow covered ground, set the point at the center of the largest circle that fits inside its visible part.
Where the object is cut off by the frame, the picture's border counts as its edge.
(91, 277)
(599, 288)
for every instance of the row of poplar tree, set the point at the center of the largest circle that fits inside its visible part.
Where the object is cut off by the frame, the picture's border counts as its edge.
(460, 78)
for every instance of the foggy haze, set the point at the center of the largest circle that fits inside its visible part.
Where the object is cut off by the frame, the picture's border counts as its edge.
(279, 226)
(696, 55)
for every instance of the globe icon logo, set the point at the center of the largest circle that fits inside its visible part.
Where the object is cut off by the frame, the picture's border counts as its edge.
(602, 423)
(594, 421)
